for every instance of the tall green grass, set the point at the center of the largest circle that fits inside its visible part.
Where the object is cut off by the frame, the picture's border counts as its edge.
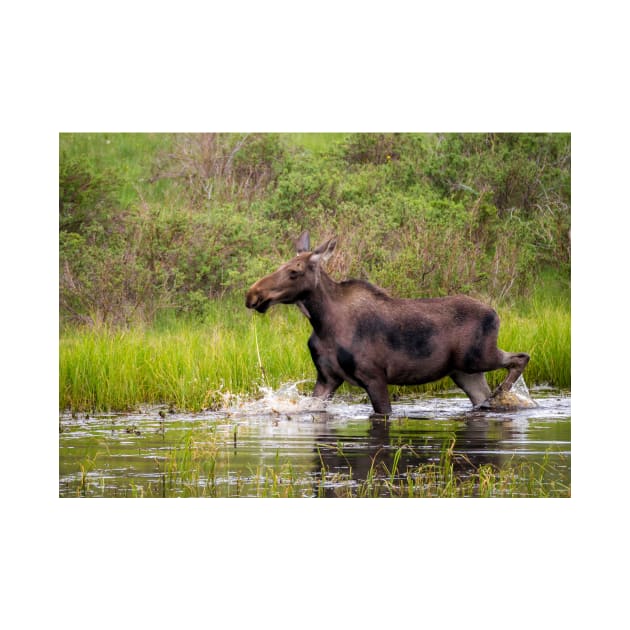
(192, 365)
(184, 363)
(543, 330)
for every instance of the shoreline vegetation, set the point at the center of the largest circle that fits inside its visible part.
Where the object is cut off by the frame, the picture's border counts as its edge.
(193, 364)
(161, 234)
(200, 468)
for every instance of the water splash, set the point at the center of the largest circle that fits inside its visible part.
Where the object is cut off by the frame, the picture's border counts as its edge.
(520, 388)
(282, 401)
(287, 401)
(517, 398)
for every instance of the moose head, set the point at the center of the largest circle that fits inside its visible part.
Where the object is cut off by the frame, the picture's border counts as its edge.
(294, 280)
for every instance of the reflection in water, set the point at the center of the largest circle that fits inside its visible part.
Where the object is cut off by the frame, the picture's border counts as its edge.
(292, 445)
(395, 447)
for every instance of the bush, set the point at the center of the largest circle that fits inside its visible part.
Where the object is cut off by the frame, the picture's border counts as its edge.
(85, 197)
(222, 167)
(485, 214)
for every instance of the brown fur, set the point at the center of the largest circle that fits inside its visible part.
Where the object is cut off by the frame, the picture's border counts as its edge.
(364, 336)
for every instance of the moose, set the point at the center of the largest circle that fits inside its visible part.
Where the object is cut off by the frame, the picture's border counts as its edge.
(364, 336)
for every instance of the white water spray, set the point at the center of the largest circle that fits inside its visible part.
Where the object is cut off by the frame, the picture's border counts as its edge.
(517, 398)
(282, 401)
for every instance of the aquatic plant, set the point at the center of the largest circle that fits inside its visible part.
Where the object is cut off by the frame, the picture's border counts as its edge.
(198, 469)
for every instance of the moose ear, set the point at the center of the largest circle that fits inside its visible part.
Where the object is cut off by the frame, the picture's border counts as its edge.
(324, 251)
(303, 243)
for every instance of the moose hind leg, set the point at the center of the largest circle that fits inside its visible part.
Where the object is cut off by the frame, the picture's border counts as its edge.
(475, 386)
(515, 363)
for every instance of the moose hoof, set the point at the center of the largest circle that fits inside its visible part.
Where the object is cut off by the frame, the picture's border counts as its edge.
(501, 400)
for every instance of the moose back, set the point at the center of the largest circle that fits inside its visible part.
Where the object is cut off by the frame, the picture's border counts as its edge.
(364, 336)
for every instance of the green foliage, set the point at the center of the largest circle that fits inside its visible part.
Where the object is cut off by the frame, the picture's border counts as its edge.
(154, 223)
(85, 197)
(214, 167)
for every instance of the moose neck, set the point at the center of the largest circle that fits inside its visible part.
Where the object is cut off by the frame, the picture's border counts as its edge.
(317, 304)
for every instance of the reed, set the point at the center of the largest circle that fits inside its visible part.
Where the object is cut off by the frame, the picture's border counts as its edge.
(193, 365)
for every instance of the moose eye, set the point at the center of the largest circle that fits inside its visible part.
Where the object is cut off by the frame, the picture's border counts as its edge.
(293, 274)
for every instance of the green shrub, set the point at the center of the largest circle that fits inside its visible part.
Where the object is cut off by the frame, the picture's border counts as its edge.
(151, 223)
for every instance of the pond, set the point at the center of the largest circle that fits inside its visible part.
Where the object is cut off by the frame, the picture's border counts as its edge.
(285, 444)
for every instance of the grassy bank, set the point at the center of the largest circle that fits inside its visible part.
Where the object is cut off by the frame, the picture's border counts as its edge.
(193, 364)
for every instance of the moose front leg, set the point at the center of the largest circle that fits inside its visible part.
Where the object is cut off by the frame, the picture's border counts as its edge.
(379, 396)
(327, 380)
(325, 389)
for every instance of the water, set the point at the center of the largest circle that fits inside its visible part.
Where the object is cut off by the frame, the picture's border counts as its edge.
(285, 444)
